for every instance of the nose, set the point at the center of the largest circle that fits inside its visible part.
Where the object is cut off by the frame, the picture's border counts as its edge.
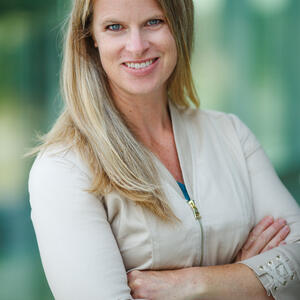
(137, 42)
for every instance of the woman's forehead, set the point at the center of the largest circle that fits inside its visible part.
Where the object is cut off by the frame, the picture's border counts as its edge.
(106, 9)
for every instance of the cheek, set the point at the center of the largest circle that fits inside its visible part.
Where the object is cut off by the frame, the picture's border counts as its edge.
(174, 53)
(168, 45)
(104, 55)
(171, 50)
(107, 59)
(109, 51)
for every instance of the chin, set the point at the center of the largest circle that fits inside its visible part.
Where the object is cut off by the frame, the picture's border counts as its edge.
(141, 89)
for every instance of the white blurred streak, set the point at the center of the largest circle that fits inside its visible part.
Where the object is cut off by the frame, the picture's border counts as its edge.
(211, 65)
(12, 167)
(208, 7)
(269, 6)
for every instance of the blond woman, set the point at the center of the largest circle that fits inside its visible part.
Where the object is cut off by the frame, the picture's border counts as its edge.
(136, 192)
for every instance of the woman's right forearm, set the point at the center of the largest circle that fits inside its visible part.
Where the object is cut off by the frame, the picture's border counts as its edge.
(227, 282)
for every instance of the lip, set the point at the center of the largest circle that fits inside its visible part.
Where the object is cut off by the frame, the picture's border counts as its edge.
(141, 72)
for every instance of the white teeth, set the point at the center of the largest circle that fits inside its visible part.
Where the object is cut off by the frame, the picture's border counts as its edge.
(139, 66)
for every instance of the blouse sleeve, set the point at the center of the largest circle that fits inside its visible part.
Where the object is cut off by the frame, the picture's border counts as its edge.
(79, 253)
(277, 269)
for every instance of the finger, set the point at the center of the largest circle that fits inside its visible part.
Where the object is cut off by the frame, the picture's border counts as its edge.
(267, 236)
(277, 239)
(133, 274)
(258, 230)
(135, 288)
(133, 278)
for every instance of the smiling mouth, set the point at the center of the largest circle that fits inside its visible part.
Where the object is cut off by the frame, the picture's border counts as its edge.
(139, 66)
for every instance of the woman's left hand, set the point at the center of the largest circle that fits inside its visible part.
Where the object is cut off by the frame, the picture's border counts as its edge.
(266, 235)
(167, 285)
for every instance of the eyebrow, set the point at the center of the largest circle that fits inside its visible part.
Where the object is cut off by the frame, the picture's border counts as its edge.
(115, 21)
(109, 22)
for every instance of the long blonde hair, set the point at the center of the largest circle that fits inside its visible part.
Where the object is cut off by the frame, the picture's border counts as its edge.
(90, 122)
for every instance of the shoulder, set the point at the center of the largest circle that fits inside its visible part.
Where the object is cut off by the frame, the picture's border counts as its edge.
(58, 157)
(57, 168)
(216, 119)
(226, 121)
(225, 126)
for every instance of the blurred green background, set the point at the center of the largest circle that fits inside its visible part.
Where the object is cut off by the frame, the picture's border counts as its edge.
(246, 61)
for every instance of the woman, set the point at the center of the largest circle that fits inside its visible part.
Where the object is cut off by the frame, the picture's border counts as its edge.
(131, 177)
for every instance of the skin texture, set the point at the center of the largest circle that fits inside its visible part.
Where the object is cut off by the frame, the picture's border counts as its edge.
(227, 282)
(266, 235)
(138, 31)
(213, 282)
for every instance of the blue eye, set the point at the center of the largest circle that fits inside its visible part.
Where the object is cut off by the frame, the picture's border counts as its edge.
(114, 27)
(154, 22)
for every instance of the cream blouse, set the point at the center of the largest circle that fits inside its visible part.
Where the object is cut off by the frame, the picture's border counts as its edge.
(87, 244)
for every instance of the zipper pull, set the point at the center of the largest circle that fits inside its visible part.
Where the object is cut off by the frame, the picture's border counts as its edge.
(195, 209)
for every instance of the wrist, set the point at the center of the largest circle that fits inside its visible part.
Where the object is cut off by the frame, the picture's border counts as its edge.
(234, 281)
(195, 284)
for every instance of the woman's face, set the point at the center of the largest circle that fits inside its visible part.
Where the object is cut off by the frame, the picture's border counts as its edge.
(136, 47)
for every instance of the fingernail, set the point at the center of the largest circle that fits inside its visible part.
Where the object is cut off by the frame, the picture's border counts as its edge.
(281, 221)
(286, 228)
(269, 219)
(282, 243)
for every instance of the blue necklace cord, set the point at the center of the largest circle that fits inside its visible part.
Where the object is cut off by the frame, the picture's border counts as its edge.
(184, 191)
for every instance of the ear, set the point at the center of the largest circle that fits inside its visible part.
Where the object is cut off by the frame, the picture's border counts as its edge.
(95, 42)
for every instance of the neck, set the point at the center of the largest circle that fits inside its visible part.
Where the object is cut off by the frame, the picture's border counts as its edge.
(146, 115)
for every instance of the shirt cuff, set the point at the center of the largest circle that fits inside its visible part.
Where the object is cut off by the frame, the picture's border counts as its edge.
(274, 269)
